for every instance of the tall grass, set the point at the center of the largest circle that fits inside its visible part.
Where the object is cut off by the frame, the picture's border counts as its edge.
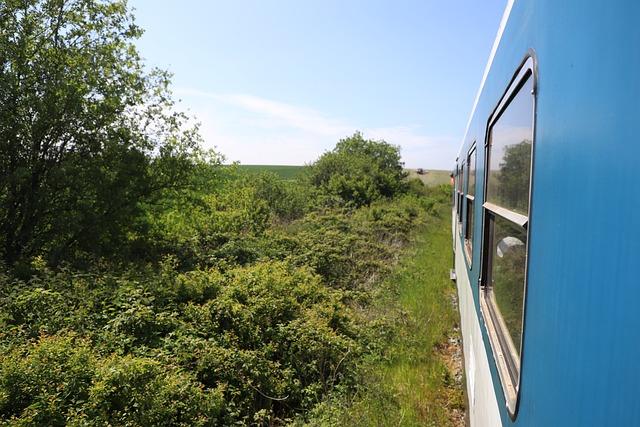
(415, 382)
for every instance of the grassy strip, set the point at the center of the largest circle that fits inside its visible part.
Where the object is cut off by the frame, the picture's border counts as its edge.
(422, 370)
(417, 382)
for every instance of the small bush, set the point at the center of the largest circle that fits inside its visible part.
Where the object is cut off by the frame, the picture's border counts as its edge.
(141, 391)
(358, 171)
(59, 381)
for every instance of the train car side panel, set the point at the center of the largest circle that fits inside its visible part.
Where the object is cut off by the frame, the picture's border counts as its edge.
(582, 305)
(483, 405)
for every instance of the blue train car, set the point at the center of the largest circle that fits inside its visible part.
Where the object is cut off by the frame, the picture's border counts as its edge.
(547, 252)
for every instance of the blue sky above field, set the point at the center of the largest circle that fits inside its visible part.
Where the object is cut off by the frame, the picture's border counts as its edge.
(282, 81)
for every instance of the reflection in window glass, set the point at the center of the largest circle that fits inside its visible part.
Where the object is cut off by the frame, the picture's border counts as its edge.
(460, 194)
(509, 261)
(510, 156)
(470, 221)
(508, 183)
(472, 173)
(468, 238)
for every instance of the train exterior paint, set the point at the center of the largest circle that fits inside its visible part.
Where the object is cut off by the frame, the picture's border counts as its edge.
(547, 249)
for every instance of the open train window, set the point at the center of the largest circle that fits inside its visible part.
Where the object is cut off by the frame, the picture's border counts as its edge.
(470, 197)
(506, 227)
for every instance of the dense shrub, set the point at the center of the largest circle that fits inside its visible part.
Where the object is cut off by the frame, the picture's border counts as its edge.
(351, 248)
(59, 381)
(242, 344)
(144, 284)
(227, 223)
(251, 308)
(358, 171)
(287, 200)
(258, 343)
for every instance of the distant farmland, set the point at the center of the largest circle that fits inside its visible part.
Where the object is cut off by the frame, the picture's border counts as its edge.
(431, 177)
(285, 173)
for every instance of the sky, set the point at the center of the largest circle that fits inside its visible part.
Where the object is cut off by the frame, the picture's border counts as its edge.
(280, 82)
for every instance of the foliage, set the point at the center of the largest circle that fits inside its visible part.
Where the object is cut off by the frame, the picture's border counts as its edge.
(254, 341)
(288, 200)
(351, 249)
(59, 381)
(416, 380)
(264, 339)
(228, 223)
(85, 133)
(358, 171)
(283, 172)
(143, 284)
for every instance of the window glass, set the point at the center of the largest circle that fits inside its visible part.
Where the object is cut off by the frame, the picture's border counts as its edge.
(460, 193)
(506, 222)
(469, 236)
(472, 173)
(510, 156)
(509, 261)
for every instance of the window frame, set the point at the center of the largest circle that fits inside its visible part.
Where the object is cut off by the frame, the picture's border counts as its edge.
(454, 184)
(508, 359)
(472, 160)
(460, 192)
(457, 180)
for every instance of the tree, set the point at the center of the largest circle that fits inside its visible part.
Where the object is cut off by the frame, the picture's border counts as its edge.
(86, 133)
(514, 176)
(359, 171)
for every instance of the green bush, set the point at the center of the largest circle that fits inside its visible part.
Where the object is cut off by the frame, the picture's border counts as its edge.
(144, 392)
(141, 283)
(358, 171)
(227, 223)
(59, 381)
(46, 382)
(287, 200)
(260, 329)
(254, 307)
(351, 248)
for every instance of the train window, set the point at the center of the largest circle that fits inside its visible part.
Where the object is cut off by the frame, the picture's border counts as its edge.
(460, 195)
(454, 184)
(506, 224)
(510, 162)
(471, 184)
(472, 172)
(457, 193)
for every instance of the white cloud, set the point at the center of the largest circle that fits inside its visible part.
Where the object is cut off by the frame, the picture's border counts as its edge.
(419, 150)
(254, 130)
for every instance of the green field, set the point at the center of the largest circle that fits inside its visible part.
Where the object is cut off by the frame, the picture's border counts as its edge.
(285, 173)
(430, 177)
